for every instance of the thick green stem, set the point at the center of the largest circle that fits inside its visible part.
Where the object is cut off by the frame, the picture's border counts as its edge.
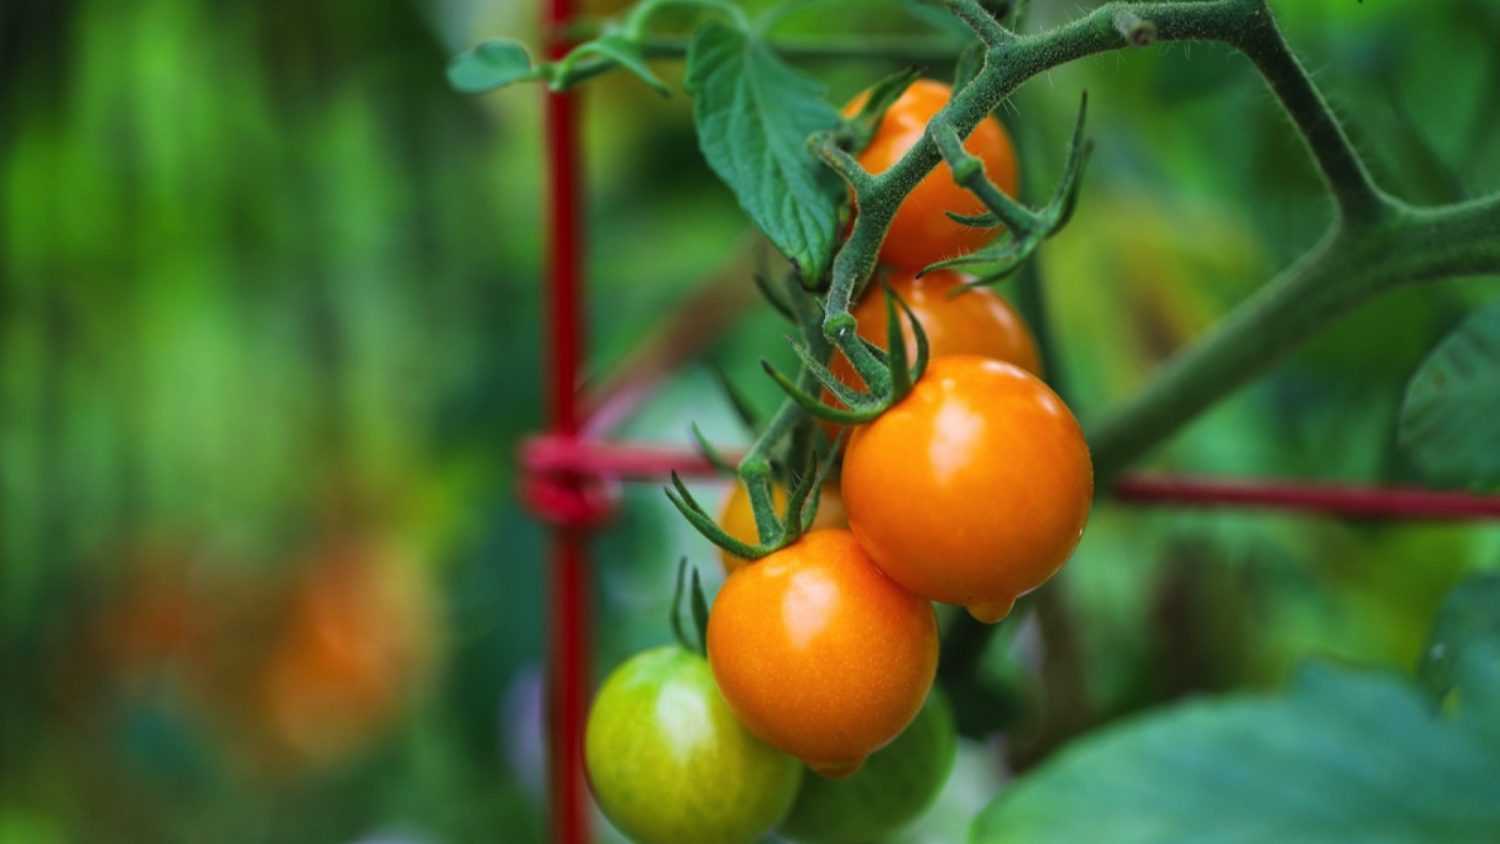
(1347, 177)
(1009, 64)
(896, 49)
(980, 20)
(755, 471)
(1292, 306)
(1353, 264)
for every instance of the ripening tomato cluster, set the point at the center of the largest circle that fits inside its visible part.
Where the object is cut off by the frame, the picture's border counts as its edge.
(973, 489)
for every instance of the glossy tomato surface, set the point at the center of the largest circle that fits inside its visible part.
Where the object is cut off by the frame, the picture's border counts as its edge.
(974, 488)
(738, 518)
(821, 654)
(921, 233)
(669, 763)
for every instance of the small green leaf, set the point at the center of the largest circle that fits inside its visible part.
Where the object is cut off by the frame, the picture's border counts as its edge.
(1468, 619)
(491, 65)
(1450, 421)
(754, 115)
(628, 55)
(1346, 756)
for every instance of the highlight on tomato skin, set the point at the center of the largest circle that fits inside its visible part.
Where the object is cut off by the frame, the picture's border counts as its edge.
(921, 233)
(820, 654)
(1002, 473)
(668, 762)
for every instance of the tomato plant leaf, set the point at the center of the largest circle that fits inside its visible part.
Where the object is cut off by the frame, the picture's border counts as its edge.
(754, 115)
(490, 65)
(1468, 620)
(626, 54)
(1450, 420)
(1345, 756)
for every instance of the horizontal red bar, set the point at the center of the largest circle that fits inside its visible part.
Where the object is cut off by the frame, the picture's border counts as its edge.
(1331, 499)
(549, 453)
(562, 455)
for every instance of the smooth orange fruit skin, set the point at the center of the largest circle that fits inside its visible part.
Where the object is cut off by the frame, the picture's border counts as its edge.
(975, 322)
(974, 488)
(821, 655)
(921, 233)
(738, 517)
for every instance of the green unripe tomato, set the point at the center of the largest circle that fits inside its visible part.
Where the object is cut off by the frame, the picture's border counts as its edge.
(669, 763)
(893, 787)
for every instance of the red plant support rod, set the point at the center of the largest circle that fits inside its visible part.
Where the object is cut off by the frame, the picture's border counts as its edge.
(1335, 500)
(549, 454)
(569, 634)
(615, 461)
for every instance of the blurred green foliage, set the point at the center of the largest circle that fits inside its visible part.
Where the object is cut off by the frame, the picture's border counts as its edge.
(265, 280)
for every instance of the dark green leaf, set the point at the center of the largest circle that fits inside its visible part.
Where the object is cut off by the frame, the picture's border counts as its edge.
(1346, 756)
(1468, 619)
(1478, 686)
(754, 115)
(1450, 421)
(490, 65)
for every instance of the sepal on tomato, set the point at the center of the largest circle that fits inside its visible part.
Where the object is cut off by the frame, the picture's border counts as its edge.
(1026, 230)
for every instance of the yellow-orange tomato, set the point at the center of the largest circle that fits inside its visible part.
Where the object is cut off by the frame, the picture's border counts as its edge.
(357, 643)
(921, 232)
(738, 518)
(821, 655)
(974, 488)
(975, 322)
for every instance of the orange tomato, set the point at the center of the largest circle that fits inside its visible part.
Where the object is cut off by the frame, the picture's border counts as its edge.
(921, 233)
(976, 322)
(355, 648)
(821, 655)
(738, 518)
(974, 488)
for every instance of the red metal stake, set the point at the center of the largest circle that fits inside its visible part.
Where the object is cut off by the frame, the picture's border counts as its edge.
(568, 672)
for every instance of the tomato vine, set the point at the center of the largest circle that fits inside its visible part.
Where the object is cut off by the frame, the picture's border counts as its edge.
(1375, 242)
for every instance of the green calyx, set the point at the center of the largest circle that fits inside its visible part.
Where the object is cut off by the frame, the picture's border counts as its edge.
(888, 375)
(812, 466)
(1026, 230)
(698, 605)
